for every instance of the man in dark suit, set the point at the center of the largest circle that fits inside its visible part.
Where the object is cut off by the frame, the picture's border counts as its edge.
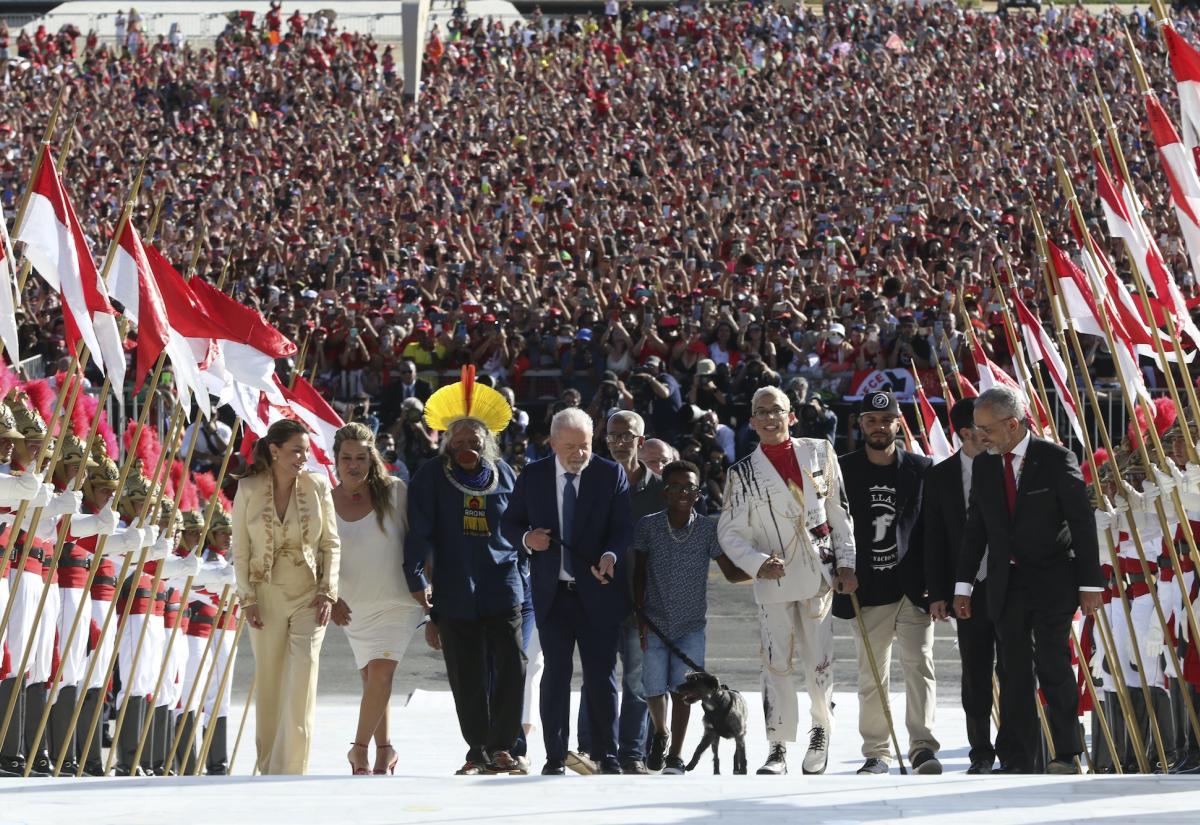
(406, 386)
(884, 485)
(947, 490)
(571, 512)
(1029, 511)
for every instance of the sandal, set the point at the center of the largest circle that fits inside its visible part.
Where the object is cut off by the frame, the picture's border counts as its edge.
(391, 764)
(358, 767)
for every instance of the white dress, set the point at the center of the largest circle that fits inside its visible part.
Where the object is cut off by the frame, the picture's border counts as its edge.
(371, 581)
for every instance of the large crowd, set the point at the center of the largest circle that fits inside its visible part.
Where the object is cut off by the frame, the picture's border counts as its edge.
(654, 210)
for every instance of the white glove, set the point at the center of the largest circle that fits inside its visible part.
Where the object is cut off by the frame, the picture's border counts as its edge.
(1153, 642)
(149, 535)
(107, 519)
(17, 488)
(65, 503)
(161, 549)
(1192, 474)
(1150, 494)
(123, 540)
(181, 567)
(1121, 505)
(42, 497)
(1104, 519)
(1165, 481)
(214, 575)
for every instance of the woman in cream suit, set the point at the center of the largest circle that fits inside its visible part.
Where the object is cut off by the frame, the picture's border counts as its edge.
(285, 554)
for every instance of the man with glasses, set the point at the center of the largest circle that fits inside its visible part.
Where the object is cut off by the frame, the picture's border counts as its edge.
(885, 486)
(625, 435)
(1029, 511)
(673, 549)
(785, 522)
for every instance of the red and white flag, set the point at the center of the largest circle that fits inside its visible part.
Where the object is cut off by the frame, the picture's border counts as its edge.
(1041, 348)
(911, 442)
(8, 302)
(136, 286)
(992, 374)
(302, 404)
(1185, 63)
(1084, 313)
(939, 447)
(249, 345)
(1180, 168)
(58, 251)
(1123, 213)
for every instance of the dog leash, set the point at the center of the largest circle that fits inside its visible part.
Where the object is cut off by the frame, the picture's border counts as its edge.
(641, 613)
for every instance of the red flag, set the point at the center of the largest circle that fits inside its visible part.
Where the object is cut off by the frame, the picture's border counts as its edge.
(134, 286)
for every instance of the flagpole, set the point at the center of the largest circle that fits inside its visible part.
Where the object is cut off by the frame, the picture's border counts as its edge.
(1122, 487)
(74, 388)
(158, 572)
(919, 411)
(1107, 639)
(93, 569)
(201, 227)
(156, 216)
(183, 599)
(210, 729)
(170, 451)
(1032, 370)
(126, 468)
(224, 606)
(237, 743)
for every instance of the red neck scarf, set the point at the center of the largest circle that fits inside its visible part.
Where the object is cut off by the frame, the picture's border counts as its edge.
(783, 459)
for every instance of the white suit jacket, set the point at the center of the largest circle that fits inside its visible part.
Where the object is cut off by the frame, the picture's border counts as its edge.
(762, 518)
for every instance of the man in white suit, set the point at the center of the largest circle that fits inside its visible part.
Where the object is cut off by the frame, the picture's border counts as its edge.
(786, 523)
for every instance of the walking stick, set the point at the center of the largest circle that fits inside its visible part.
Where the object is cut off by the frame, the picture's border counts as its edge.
(883, 697)
(237, 743)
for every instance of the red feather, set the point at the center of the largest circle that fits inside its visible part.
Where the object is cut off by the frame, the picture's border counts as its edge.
(41, 397)
(206, 485)
(88, 404)
(148, 449)
(8, 380)
(468, 383)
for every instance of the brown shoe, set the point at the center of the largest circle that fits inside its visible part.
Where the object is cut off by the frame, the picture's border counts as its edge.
(502, 762)
(581, 763)
(470, 769)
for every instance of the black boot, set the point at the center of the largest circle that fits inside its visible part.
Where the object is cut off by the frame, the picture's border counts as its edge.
(62, 735)
(12, 752)
(35, 706)
(185, 756)
(218, 758)
(160, 739)
(127, 737)
(93, 760)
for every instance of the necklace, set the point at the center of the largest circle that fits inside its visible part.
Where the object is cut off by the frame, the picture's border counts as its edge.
(691, 526)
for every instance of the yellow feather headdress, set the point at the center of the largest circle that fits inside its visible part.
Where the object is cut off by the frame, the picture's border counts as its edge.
(466, 399)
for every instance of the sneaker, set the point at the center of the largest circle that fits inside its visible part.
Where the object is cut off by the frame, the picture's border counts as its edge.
(502, 762)
(776, 763)
(470, 769)
(634, 766)
(580, 763)
(523, 766)
(924, 762)
(674, 767)
(658, 749)
(817, 756)
(873, 765)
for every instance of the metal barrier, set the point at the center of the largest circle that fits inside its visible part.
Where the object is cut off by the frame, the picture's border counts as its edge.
(32, 367)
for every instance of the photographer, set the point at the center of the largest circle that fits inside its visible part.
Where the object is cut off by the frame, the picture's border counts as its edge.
(708, 391)
(909, 348)
(415, 442)
(657, 398)
(815, 420)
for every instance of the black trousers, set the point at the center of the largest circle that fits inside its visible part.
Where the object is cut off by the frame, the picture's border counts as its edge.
(1034, 638)
(977, 647)
(467, 644)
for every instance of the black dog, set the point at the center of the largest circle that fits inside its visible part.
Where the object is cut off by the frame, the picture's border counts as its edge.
(724, 718)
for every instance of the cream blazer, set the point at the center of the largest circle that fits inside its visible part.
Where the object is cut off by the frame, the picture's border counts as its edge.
(762, 518)
(255, 526)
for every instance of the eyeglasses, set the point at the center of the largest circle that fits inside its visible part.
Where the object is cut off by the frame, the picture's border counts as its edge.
(621, 438)
(684, 489)
(774, 412)
(989, 429)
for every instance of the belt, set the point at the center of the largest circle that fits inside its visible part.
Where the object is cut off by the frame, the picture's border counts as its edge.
(1132, 578)
(34, 553)
(80, 563)
(202, 620)
(140, 593)
(570, 586)
(110, 581)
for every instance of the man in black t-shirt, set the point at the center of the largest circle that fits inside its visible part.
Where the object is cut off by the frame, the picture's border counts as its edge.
(884, 485)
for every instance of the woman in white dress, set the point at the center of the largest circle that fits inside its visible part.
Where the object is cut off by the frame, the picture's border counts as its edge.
(375, 609)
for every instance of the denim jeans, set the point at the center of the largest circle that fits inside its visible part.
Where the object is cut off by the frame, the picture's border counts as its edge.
(634, 723)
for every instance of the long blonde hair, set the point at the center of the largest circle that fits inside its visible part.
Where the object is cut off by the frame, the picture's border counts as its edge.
(379, 483)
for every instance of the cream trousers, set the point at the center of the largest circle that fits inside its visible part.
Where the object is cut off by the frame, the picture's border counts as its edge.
(286, 652)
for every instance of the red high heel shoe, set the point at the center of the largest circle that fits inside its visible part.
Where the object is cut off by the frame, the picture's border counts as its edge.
(391, 765)
(358, 768)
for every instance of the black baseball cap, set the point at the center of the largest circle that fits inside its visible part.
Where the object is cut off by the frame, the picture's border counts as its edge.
(879, 402)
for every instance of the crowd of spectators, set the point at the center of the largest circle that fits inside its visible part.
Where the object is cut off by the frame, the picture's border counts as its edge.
(655, 210)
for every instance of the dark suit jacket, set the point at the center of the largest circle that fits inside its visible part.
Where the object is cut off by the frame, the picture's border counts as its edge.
(1052, 534)
(393, 396)
(944, 517)
(602, 525)
(910, 474)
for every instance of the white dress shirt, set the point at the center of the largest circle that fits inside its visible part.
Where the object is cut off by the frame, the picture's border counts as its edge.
(560, 481)
(967, 463)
